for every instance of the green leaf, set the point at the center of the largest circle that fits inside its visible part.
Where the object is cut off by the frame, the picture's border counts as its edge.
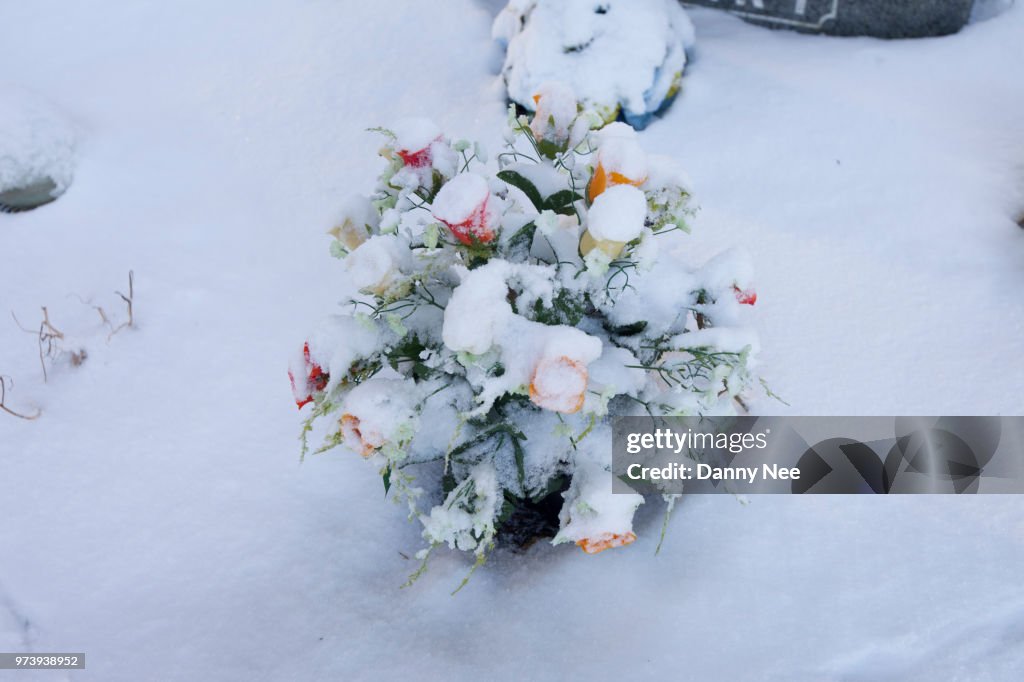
(550, 149)
(486, 435)
(519, 181)
(561, 201)
(387, 480)
(565, 309)
(338, 249)
(555, 484)
(770, 393)
(383, 131)
(408, 349)
(431, 235)
(520, 243)
(508, 505)
(517, 448)
(631, 329)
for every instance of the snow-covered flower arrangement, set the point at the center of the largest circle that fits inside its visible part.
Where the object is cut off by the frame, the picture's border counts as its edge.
(623, 58)
(498, 313)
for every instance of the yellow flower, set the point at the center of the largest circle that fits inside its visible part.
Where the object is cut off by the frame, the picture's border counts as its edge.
(588, 244)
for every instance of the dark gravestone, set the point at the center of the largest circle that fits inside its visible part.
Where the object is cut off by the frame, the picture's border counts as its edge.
(879, 18)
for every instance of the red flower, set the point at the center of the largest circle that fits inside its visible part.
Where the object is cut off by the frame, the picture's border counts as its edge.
(314, 378)
(420, 158)
(463, 205)
(474, 229)
(745, 296)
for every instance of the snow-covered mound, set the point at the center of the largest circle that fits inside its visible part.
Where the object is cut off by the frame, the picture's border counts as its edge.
(623, 58)
(37, 150)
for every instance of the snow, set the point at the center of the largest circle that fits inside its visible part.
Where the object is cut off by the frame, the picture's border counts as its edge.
(415, 134)
(618, 214)
(663, 171)
(656, 296)
(616, 371)
(37, 142)
(157, 519)
(477, 309)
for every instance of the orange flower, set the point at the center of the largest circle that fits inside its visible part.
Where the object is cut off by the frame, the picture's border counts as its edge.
(605, 541)
(559, 384)
(620, 160)
(353, 434)
(603, 179)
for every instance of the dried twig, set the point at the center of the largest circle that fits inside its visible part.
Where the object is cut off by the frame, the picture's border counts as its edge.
(3, 399)
(129, 301)
(47, 336)
(99, 310)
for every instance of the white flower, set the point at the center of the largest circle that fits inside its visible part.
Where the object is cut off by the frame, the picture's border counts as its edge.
(375, 267)
(378, 412)
(559, 384)
(593, 516)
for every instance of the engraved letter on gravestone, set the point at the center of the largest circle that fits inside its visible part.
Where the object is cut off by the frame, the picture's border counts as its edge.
(806, 14)
(879, 18)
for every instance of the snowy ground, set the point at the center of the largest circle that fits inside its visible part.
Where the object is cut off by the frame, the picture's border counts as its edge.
(156, 517)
